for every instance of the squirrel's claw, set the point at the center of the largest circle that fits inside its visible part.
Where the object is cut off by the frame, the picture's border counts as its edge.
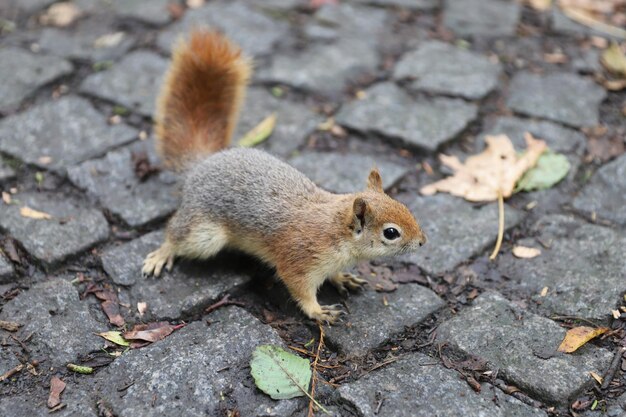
(346, 281)
(330, 314)
(155, 261)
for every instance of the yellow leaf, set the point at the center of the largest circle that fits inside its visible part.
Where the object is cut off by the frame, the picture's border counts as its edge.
(525, 252)
(259, 133)
(486, 175)
(597, 377)
(115, 337)
(578, 336)
(614, 60)
(544, 291)
(616, 314)
(34, 214)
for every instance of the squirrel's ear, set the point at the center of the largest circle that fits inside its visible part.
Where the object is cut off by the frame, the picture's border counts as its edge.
(374, 182)
(360, 209)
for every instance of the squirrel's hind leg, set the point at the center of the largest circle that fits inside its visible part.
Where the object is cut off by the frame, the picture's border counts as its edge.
(203, 239)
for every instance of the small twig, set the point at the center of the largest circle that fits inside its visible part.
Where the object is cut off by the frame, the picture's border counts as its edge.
(314, 379)
(9, 326)
(225, 301)
(20, 343)
(574, 318)
(8, 374)
(615, 363)
(380, 404)
(500, 226)
(589, 21)
(381, 364)
(297, 384)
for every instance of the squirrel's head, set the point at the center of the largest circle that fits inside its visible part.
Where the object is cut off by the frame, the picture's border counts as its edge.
(380, 225)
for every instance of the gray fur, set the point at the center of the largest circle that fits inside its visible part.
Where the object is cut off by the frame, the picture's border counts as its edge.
(244, 187)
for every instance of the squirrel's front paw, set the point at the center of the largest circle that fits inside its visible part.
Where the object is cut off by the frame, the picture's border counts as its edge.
(155, 261)
(329, 314)
(345, 281)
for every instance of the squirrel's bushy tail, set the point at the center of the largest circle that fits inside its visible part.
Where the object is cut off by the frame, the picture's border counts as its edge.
(199, 102)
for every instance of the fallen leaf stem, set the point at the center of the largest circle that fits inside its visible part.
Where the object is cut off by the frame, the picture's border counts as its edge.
(291, 377)
(314, 378)
(500, 227)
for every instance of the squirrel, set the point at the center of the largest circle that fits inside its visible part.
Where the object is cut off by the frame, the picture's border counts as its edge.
(249, 200)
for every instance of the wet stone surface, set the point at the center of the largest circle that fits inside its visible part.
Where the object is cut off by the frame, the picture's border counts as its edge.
(294, 121)
(153, 12)
(507, 338)
(37, 137)
(137, 198)
(77, 404)
(345, 173)
(6, 172)
(434, 67)
(481, 17)
(73, 228)
(406, 306)
(23, 72)
(121, 85)
(562, 97)
(244, 24)
(406, 4)
(583, 267)
(200, 368)
(52, 311)
(456, 230)
(389, 111)
(605, 195)
(187, 290)
(93, 39)
(327, 68)
(417, 386)
(6, 272)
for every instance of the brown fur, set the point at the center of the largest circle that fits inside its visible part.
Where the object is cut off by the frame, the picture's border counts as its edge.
(199, 103)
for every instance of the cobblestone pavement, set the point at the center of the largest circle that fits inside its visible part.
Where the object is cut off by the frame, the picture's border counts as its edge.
(444, 332)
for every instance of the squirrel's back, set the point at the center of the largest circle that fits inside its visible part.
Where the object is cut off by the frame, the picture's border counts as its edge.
(199, 101)
(248, 187)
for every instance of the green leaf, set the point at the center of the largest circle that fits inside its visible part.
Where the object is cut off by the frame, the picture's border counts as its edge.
(259, 133)
(550, 169)
(115, 337)
(279, 373)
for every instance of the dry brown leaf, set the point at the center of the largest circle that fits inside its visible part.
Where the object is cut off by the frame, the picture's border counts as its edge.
(525, 252)
(151, 332)
(485, 175)
(556, 58)
(615, 85)
(44, 160)
(109, 40)
(10, 326)
(60, 14)
(597, 377)
(56, 388)
(578, 336)
(194, 4)
(112, 311)
(141, 308)
(34, 214)
(540, 5)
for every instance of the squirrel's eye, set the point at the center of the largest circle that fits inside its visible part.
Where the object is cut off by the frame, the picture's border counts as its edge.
(390, 233)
